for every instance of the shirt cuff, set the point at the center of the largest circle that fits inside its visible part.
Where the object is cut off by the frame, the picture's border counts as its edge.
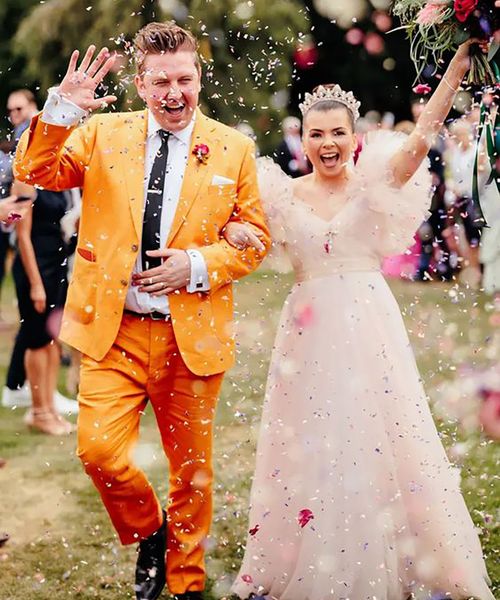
(61, 111)
(199, 274)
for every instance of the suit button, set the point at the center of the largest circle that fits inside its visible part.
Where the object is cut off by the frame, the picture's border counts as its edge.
(135, 248)
(124, 282)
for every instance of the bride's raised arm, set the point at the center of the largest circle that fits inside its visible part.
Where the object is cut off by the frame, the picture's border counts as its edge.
(407, 160)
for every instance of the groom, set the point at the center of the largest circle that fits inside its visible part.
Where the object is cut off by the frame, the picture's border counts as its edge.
(150, 301)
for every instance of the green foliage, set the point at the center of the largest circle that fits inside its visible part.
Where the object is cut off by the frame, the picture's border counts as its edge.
(246, 48)
(12, 72)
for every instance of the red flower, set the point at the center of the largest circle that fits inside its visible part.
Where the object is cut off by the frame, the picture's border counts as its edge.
(423, 89)
(464, 8)
(202, 153)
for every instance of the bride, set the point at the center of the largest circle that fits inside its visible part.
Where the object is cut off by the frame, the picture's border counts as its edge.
(353, 497)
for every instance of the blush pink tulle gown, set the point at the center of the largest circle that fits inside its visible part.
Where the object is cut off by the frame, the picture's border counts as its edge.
(353, 496)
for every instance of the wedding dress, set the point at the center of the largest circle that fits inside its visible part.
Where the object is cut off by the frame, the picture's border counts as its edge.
(353, 497)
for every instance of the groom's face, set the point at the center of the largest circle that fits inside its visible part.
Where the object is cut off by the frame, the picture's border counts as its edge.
(170, 85)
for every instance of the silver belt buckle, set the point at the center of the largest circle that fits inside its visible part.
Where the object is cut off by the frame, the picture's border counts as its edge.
(158, 316)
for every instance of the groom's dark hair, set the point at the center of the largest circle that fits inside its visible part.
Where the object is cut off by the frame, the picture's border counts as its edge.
(159, 38)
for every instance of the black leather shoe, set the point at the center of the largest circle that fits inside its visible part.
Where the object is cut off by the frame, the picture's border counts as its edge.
(189, 596)
(150, 571)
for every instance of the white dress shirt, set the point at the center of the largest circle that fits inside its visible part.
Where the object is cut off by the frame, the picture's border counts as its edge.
(60, 111)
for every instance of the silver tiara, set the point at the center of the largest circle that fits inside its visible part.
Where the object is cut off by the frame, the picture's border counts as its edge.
(331, 93)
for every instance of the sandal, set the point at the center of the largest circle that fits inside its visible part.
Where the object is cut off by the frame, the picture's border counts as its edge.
(44, 421)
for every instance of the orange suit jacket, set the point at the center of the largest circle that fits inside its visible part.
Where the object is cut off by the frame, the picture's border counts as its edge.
(105, 157)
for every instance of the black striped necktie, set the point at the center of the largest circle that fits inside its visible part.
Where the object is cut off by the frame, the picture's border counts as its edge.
(154, 200)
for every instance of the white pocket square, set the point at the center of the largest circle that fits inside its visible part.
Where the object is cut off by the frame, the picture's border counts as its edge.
(219, 180)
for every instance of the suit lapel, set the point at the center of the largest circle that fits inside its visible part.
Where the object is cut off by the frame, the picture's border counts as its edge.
(196, 175)
(132, 149)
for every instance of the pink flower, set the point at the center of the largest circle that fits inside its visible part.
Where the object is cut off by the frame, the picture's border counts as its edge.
(13, 217)
(202, 153)
(305, 515)
(422, 89)
(247, 578)
(431, 13)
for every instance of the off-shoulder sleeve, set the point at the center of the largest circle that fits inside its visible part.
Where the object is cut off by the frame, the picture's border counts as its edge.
(276, 193)
(397, 212)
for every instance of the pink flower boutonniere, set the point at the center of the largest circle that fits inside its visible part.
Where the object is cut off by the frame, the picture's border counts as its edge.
(202, 153)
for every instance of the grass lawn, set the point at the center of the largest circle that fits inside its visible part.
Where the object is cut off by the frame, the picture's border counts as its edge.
(62, 545)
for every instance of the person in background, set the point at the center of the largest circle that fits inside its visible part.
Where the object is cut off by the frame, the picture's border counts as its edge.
(21, 107)
(5, 183)
(433, 242)
(40, 276)
(290, 154)
(246, 129)
(459, 158)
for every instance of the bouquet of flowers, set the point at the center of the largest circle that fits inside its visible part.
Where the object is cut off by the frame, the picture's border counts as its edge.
(436, 26)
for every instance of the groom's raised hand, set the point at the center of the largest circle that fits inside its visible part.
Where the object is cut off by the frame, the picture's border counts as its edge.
(79, 84)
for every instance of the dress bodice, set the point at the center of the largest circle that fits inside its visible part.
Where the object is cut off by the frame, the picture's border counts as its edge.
(377, 219)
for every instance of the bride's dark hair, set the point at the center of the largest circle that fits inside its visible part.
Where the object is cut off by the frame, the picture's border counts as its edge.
(325, 105)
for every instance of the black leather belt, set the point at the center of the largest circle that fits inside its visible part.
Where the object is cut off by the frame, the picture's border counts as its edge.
(154, 316)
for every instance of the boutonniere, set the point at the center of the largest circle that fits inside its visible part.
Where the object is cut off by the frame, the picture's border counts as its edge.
(202, 153)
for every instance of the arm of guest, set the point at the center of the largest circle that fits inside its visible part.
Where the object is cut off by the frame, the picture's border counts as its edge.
(224, 262)
(26, 250)
(52, 152)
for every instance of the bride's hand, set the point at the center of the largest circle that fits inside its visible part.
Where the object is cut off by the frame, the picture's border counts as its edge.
(242, 236)
(461, 60)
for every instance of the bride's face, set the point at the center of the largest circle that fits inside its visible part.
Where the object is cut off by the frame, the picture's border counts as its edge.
(329, 140)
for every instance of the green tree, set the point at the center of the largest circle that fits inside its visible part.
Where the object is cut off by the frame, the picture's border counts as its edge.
(12, 68)
(246, 48)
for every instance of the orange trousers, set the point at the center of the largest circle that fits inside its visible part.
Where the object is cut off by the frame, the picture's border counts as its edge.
(144, 363)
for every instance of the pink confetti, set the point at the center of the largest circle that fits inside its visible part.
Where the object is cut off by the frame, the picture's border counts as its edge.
(422, 89)
(305, 515)
(305, 316)
(489, 414)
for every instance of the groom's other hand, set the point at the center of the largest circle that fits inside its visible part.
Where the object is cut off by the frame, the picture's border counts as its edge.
(80, 83)
(173, 274)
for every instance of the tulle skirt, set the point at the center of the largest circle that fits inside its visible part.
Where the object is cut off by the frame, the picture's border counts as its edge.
(353, 496)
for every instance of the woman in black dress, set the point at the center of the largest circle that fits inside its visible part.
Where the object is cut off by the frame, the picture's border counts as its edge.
(40, 275)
